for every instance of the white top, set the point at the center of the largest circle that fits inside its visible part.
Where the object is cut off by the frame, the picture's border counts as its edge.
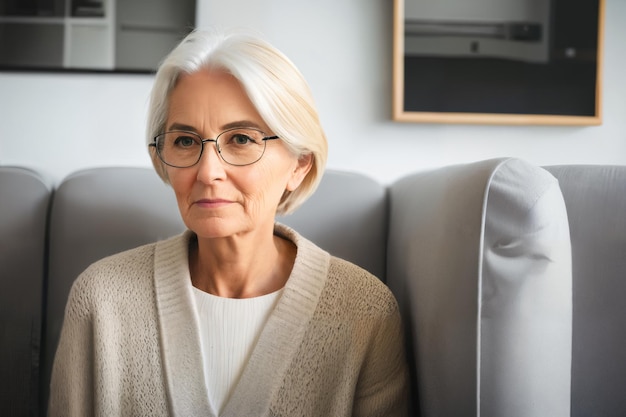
(229, 330)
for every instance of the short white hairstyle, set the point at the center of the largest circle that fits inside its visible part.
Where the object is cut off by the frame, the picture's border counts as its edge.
(273, 84)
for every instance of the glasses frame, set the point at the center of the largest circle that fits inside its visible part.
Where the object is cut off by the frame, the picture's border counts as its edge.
(219, 151)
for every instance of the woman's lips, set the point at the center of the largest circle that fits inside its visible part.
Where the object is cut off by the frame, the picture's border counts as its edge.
(212, 203)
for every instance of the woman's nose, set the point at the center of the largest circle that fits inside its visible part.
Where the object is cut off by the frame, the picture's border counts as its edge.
(211, 164)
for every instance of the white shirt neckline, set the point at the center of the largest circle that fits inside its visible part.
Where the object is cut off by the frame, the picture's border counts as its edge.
(229, 330)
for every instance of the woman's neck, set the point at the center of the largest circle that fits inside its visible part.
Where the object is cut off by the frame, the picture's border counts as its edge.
(241, 266)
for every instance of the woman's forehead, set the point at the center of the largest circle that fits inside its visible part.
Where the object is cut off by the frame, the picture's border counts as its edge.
(212, 97)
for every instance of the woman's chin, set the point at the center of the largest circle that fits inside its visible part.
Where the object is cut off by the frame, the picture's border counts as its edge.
(215, 228)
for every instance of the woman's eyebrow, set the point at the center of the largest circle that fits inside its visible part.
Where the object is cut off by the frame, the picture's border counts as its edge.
(241, 123)
(180, 126)
(231, 125)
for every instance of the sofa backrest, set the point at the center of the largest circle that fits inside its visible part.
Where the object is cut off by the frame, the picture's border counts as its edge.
(102, 211)
(24, 199)
(595, 197)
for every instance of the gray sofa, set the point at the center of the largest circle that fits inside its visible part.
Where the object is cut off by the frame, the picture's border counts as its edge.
(510, 277)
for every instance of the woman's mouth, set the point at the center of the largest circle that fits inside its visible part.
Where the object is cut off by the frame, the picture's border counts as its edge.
(212, 202)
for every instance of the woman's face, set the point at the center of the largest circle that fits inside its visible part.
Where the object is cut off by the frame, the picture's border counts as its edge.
(216, 199)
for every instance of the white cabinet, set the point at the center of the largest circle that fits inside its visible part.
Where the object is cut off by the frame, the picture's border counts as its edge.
(89, 44)
(89, 34)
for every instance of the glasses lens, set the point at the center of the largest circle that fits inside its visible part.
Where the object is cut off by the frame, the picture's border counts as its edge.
(179, 149)
(241, 146)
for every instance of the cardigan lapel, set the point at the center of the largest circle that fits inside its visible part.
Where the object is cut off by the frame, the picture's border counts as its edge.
(284, 331)
(180, 340)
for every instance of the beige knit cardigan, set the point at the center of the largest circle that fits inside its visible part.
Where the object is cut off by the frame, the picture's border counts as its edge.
(130, 343)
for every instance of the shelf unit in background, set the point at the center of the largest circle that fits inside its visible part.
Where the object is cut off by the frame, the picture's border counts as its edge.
(131, 35)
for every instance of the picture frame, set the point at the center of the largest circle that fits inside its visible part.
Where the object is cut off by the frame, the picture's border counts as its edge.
(522, 63)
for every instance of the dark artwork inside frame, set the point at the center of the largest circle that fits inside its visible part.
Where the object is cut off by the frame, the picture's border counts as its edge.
(548, 67)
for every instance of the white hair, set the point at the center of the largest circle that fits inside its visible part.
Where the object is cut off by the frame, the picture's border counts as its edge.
(273, 84)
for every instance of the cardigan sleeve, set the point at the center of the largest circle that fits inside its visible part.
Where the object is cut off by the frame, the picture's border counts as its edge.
(72, 382)
(382, 389)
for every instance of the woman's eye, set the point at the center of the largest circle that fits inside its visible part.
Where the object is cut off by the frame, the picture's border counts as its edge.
(241, 139)
(184, 141)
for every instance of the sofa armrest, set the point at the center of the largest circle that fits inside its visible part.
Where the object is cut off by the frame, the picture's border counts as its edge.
(480, 262)
(24, 201)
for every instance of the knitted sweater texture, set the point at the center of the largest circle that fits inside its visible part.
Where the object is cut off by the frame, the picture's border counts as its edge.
(130, 342)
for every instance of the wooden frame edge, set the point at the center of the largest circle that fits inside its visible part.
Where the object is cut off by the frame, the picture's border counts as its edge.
(399, 115)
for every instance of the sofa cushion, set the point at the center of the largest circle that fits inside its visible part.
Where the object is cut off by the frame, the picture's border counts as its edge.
(24, 199)
(479, 260)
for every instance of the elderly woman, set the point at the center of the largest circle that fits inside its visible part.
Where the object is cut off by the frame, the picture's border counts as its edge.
(238, 316)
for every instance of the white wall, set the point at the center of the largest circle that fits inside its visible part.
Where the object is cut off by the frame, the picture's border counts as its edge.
(62, 122)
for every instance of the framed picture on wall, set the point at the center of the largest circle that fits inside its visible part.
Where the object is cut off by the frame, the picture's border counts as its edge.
(91, 35)
(504, 62)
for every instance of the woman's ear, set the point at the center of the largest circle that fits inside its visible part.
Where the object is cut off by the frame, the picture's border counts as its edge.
(302, 168)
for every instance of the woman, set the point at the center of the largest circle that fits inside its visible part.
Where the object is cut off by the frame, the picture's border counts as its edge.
(238, 316)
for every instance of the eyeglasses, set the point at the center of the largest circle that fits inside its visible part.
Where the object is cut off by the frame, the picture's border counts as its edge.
(238, 146)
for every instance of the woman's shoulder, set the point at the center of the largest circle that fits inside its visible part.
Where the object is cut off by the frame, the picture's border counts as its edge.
(127, 260)
(111, 279)
(361, 289)
(137, 258)
(347, 286)
(125, 280)
(122, 270)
